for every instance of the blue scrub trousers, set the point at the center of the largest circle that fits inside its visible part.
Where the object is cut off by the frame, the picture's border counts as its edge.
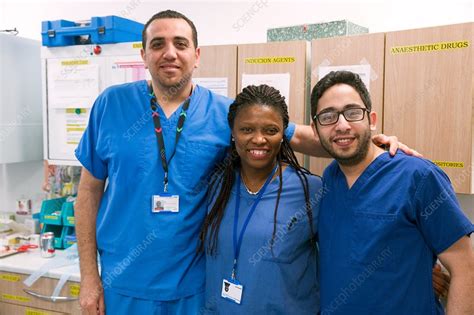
(117, 304)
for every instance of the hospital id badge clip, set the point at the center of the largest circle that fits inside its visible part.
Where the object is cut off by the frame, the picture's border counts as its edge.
(232, 290)
(165, 203)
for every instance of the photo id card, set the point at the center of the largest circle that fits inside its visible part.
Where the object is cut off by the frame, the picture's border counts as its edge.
(165, 203)
(232, 291)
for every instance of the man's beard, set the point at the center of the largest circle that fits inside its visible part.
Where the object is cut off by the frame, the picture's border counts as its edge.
(359, 154)
(173, 88)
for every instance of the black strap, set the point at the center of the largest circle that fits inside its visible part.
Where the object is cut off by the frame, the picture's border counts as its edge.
(159, 133)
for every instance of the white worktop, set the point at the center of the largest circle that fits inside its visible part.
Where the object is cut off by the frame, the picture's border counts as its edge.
(30, 261)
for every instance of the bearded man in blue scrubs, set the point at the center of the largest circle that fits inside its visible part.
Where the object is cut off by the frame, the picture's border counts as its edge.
(384, 220)
(155, 143)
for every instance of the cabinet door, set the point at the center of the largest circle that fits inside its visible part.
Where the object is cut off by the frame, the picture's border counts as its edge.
(20, 100)
(217, 66)
(365, 52)
(428, 100)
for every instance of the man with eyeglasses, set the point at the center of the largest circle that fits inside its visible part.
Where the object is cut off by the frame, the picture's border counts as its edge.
(383, 220)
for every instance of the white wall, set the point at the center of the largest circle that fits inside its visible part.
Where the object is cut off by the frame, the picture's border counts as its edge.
(224, 22)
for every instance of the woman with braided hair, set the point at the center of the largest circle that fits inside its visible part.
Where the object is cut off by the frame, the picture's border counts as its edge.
(259, 235)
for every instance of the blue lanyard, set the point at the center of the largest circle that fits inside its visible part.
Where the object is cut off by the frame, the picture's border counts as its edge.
(238, 242)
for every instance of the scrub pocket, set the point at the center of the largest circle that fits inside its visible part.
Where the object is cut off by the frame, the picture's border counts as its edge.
(372, 241)
(132, 153)
(291, 239)
(145, 157)
(197, 164)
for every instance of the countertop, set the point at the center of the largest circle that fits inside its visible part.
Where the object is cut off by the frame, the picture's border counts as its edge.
(31, 261)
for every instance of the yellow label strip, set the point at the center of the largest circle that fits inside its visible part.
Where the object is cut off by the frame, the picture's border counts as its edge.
(269, 60)
(449, 164)
(18, 298)
(30, 311)
(74, 290)
(74, 62)
(9, 277)
(51, 217)
(430, 47)
(75, 129)
(76, 110)
(137, 45)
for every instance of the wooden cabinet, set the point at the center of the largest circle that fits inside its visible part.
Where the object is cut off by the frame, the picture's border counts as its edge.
(277, 60)
(13, 300)
(218, 61)
(350, 51)
(428, 99)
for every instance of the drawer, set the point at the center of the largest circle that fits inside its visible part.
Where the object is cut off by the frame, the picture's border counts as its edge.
(12, 309)
(11, 292)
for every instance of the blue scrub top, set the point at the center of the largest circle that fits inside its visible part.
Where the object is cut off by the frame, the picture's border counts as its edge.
(282, 282)
(379, 240)
(144, 254)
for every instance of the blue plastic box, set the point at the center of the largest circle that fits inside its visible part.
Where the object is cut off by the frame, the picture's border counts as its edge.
(100, 30)
(51, 211)
(69, 237)
(67, 212)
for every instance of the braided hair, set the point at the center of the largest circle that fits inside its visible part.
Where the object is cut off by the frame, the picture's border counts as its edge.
(224, 175)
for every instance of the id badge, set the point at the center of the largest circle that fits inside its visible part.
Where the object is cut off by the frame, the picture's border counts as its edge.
(165, 203)
(232, 290)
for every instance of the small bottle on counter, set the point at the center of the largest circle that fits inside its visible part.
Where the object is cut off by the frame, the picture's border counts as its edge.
(47, 245)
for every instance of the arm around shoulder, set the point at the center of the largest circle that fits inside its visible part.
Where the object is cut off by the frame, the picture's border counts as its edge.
(306, 141)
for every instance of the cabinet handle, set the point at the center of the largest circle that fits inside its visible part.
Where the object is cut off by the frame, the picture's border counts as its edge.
(53, 299)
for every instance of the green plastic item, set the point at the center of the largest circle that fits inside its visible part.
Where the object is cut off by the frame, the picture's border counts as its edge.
(51, 211)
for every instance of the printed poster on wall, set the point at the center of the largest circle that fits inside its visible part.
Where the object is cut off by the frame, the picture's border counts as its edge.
(280, 81)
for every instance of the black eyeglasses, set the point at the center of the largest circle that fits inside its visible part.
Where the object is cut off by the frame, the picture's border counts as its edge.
(332, 117)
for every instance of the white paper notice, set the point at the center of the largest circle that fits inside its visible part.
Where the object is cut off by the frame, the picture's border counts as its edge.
(72, 86)
(76, 123)
(65, 129)
(362, 70)
(280, 81)
(124, 70)
(216, 85)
